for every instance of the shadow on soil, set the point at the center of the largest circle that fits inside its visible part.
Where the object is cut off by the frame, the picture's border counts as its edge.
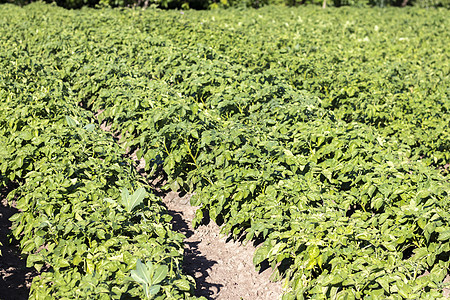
(195, 264)
(15, 277)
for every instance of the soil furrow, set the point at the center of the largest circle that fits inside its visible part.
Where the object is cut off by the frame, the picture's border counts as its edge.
(222, 269)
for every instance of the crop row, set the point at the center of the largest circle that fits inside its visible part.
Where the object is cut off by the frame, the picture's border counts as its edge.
(321, 134)
(86, 221)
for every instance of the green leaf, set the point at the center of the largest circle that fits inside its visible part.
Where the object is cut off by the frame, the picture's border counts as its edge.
(130, 202)
(160, 274)
(182, 284)
(260, 254)
(142, 274)
(444, 235)
(384, 283)
(71, 122)
(125, 195)
(137, 277)
(153, 290)
(90, 127)
(313, 251)
(16, 217)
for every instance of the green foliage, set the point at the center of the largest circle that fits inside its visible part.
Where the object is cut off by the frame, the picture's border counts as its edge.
(73, 182)
(322, 133)
(163, 4)
(131, 201)
(432, 3)
(217, 4)
(149, 277)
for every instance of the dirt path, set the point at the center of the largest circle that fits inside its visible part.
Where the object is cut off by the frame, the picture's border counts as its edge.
(222, 270)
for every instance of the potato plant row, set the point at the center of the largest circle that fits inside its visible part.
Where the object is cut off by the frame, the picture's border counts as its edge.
(322, 135)
(88, 222)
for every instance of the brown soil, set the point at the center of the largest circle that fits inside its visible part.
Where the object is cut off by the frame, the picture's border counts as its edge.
(222, 269)
(15, 277)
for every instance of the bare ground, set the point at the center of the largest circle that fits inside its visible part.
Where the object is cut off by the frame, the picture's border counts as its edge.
(222, 269)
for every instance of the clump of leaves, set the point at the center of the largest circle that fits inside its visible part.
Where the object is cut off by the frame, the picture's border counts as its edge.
(149, 276)
(131, 201)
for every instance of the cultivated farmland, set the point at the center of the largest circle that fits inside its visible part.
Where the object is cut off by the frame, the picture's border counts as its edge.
(321, 135)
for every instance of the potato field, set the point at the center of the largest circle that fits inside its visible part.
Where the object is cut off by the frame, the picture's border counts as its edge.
(320, 135)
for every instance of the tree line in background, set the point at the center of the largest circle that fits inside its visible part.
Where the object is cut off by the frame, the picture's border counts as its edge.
(213, 4)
